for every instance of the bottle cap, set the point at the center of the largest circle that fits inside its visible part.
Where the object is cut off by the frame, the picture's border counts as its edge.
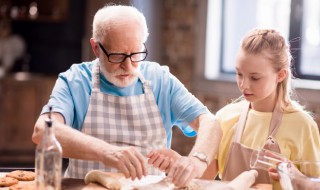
(49, 120)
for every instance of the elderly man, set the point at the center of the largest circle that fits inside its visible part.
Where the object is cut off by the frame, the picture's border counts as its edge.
(121, 107)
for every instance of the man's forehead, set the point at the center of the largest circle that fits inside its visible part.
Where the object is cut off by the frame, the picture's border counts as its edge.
(125, 37)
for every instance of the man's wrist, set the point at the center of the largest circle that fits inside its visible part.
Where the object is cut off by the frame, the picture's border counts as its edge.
(201, 156)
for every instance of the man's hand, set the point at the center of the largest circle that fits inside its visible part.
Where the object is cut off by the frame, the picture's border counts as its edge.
(185, 169)
(163, 159)
(292, 171)
(128, 160)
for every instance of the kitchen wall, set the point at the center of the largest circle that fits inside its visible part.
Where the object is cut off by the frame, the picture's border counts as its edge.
(179, 52)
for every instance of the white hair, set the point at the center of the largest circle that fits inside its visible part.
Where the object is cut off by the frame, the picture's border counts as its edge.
(108, 15)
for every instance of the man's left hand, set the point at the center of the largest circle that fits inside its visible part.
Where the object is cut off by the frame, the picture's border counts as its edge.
(185, 169)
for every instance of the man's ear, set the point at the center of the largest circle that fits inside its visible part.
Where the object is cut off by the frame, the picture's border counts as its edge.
(95, 47)
(282, 74)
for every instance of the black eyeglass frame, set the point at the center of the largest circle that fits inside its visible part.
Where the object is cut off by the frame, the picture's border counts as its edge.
(125, 55)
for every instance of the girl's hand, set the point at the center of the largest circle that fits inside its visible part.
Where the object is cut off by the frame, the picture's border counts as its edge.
(293, 172)
(163, 158)
(273, 174)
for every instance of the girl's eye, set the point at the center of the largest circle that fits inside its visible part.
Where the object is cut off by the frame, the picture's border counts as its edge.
(255, 79)
(239, 74)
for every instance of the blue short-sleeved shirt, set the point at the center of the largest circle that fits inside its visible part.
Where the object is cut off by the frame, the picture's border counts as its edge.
(71, 96)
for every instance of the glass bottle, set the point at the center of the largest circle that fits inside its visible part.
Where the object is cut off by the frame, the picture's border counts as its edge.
(48, 159)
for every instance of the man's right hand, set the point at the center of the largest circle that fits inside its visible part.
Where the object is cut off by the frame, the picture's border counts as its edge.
(128, 160)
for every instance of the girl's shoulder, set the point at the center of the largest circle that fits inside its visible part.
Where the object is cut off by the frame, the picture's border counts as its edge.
(234, 108)
(299, 116)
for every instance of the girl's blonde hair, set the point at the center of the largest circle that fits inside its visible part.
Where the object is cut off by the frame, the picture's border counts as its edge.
(277, 50)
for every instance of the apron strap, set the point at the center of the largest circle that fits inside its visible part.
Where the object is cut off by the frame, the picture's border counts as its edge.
(271, 143)
(145, 83)
(241, 123)
(96, 77)
(275, 122)
(276, 116)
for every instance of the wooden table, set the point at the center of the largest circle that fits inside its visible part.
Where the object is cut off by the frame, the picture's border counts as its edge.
(67, 184)
(145, 183)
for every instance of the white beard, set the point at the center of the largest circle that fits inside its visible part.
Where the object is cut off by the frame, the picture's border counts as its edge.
(111, 77)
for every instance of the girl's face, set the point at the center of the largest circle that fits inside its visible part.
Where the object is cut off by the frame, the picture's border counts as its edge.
(257, 80)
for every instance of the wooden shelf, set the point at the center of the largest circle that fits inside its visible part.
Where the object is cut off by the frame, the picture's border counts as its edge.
(21, 103)
(45, 11)
(41, 18)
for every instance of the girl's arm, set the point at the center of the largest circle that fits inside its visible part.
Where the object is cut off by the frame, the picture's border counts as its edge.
(211, 171)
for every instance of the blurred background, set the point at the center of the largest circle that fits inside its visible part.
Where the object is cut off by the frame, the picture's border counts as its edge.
(197, 39)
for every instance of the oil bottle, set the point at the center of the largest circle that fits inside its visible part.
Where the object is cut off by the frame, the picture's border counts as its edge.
(48, 164)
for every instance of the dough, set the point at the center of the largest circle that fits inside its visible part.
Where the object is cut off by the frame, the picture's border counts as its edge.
(244, 181)
(106, 179)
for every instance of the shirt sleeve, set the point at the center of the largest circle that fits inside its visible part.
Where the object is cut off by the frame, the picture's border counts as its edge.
(71, 94)
(299, 137)
(61, 100)
(310, 150)
(177, 106)
(185, 107)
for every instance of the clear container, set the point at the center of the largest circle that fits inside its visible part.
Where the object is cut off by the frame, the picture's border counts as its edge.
(48, 160)
(264, 159)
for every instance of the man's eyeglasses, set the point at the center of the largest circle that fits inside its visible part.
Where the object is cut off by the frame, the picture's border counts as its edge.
(121, 57)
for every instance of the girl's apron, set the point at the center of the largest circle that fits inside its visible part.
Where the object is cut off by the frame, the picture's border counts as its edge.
(121, 121)
(238, 158)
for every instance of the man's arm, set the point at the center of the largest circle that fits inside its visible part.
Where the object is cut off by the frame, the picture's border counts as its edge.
(81, 146)
(207, 143)
(209, 135)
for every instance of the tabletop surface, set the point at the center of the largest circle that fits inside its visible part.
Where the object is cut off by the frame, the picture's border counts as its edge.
(146, 183)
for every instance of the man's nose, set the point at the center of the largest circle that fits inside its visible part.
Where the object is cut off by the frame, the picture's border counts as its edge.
(127, 64)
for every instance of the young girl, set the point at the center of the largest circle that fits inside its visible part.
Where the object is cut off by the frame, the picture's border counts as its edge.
(265, 116)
